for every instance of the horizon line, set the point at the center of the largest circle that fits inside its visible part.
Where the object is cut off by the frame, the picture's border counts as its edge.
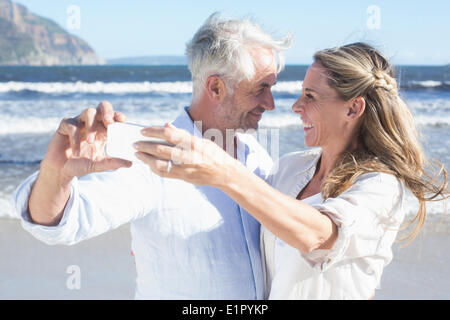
(185, 65)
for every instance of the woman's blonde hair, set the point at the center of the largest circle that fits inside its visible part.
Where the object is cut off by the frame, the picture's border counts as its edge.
(387, 139)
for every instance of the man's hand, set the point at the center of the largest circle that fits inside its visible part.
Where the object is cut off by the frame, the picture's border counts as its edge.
(76, 149)
(78, 146)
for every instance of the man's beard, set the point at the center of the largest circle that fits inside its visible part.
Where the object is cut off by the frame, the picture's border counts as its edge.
(232, 117)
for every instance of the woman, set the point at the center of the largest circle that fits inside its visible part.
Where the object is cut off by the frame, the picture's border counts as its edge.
(332, 213)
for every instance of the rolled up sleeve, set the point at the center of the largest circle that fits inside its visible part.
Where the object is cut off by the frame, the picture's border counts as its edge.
(367, 216)
(49, 234)
(98, 202)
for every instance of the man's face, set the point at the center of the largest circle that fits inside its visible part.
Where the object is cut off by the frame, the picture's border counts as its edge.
(244, 108)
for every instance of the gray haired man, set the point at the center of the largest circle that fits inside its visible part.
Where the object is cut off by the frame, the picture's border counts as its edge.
(190, 242)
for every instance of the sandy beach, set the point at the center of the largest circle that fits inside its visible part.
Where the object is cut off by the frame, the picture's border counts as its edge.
(30, 269)
(420, 270)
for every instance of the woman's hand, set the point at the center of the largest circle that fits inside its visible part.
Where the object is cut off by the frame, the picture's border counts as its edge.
(192, 159)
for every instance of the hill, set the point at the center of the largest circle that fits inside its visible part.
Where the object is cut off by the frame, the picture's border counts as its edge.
(149, 60)
(29, 39)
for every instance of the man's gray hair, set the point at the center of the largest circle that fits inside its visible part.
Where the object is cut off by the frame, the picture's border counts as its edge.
(221, 47)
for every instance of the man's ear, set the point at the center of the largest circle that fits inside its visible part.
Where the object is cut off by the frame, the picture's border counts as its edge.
(216, 88)
(356, 108)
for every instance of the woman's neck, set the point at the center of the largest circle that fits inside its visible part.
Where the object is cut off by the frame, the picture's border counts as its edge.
(329, 159)
(325, 165)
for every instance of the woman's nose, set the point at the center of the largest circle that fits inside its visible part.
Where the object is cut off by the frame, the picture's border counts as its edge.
(297, 107)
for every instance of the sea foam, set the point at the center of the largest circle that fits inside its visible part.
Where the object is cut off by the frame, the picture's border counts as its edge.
(20, 125)
(121, 87)
(98, 87)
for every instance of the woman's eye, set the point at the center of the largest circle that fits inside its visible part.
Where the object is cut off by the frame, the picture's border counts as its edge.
(308, 96)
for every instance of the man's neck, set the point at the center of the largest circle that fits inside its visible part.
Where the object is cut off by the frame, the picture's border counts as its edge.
(196, 115)
(199, 114)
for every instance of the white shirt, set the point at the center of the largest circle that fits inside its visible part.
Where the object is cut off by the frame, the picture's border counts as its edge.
(368, 216)
(190, 242)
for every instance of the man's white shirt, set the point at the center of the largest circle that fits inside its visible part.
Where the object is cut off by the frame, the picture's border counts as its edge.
(190, 242)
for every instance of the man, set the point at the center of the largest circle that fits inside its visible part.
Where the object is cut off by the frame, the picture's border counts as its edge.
(190, 242)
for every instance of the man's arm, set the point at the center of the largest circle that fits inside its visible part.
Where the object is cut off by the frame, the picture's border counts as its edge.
(48, 197)
(78, 194)
(76, 149)
(97, 203)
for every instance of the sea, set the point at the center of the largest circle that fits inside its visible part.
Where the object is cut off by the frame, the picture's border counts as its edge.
(33, 100)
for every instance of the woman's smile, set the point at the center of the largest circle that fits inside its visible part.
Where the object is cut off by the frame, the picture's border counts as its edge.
(307, 126)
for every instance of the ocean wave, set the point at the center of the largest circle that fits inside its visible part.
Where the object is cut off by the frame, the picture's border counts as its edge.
(176, 87)
(426, 84)
(437, 209)
(296, 86)
(18, 125)
(424, 106)
(19, 162)
(96, 87)
(7, 209)
(288, 87)
(21, 125)
(279, 121)
(120, 87)
(432, 121)
(285, 120)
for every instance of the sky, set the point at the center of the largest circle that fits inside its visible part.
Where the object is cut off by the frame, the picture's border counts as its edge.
(409, 32)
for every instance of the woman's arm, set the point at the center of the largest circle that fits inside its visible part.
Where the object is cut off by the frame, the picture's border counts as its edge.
(202, 162)
(293, 221)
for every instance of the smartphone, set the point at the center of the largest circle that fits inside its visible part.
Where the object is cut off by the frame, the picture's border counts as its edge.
(120, 139)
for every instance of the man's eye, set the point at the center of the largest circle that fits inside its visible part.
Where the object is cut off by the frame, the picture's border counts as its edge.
(309, 96)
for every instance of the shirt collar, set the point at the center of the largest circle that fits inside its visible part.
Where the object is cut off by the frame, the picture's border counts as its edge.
(184, 121)
(311, 162)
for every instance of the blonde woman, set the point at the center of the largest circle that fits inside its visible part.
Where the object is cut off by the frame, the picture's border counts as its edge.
(331, 214)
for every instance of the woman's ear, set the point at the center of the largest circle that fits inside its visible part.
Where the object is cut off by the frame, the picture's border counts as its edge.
(356, 108)
(216, 88)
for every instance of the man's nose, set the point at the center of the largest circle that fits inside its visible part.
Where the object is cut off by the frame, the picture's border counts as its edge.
(269, 103)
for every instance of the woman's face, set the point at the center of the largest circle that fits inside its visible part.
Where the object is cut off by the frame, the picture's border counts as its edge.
(321, 110)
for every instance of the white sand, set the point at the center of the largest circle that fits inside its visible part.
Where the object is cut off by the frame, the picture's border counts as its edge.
(420, 270)
(30, 269)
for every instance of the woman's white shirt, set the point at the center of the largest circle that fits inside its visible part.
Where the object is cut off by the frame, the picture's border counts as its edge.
(368, 216)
